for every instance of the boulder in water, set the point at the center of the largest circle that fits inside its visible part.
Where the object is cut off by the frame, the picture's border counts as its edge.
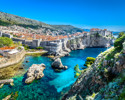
(35, 72)
(27, 61)
(57, 64)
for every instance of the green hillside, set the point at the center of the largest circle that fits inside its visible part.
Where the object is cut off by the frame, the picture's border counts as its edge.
(9, 19)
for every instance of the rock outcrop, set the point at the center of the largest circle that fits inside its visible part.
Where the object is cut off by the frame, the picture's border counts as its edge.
(103, 80)
(6, 81)
(63, 47)
(57, 64)
(35, 72)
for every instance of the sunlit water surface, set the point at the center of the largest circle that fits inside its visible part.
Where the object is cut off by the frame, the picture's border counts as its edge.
(53, 85)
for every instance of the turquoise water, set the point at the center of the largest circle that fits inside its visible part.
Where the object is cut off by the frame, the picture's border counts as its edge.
(53, 85)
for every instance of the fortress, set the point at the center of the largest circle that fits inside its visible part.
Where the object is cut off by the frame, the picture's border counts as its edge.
(64, 46)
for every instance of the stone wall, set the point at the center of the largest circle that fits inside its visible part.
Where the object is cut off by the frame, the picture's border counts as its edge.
(102, 32)
(64, 46)
(13, 59)
(6, 35)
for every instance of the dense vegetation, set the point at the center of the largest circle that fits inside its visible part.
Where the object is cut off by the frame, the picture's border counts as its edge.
(9, 19)
(5, 41)
(121, 34)
(118, 42)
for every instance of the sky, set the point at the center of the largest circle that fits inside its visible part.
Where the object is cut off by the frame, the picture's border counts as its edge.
(86, 14)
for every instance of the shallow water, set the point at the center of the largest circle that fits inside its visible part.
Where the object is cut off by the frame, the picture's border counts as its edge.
(53, 85)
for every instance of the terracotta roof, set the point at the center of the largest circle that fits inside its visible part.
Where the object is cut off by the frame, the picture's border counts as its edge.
(1, 56)
(94, 29)
(7, 48)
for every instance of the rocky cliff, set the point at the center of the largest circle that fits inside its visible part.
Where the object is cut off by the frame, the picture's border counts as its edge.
(63, 47)
(104, 80)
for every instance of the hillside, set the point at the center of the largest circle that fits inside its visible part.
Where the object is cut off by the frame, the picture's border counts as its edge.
(9, 19)
(104, 79)
(67, 28)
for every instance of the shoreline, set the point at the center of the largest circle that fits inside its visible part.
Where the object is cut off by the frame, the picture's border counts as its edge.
(20, 57)
(36, 53)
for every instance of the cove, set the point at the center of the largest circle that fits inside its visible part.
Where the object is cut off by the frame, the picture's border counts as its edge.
(53, 85)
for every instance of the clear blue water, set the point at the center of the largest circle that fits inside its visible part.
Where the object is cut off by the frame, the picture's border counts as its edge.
(53, 85)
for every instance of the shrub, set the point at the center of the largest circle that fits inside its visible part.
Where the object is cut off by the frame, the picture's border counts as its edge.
(26, 47)
(19, 48)
(39, 48)
(5, 41)
(77, 71)
(89, 61)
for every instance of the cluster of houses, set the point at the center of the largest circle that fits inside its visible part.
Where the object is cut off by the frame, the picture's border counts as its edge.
(33, 39)
(103, 32)
(31, 34)
(22, 33)
(21, 30)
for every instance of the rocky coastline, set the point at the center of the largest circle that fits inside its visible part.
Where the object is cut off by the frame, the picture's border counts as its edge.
(103, 80)
(63, 47)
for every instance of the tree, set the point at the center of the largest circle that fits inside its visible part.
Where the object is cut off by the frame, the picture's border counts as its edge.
(89, 61)
(77, 71)
(5, 41)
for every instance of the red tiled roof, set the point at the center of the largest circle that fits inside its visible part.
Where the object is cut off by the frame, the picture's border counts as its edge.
(7, 48)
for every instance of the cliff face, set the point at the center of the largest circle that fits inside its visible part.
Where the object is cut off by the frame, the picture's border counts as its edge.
(105, 79)
(63, 47)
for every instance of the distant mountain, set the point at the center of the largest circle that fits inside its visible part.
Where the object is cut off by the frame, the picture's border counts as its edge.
(87, 30)
(9, 19)
(68, 28)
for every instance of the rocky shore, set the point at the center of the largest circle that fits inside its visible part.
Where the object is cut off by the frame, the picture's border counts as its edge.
(104, 80)
(35, 72)
(63, 47)
(6, 81)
